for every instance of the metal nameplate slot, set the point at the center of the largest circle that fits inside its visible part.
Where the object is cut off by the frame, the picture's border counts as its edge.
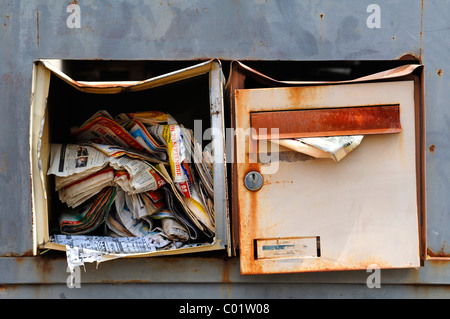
(292, 247)
(364, 120)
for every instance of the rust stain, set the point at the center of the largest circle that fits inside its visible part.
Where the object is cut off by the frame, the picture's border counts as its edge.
(439, 72)
(421, 29)
(321, 27)
(89, 28)
(28, 253)
(5, 288)
(320, 265)
(307, 94)
(410, 57)
(439, 261)
(37, 26)
(3, 163)
(315, 265)
(440, 253)
(432, 148)
(225, 272)
(134, 281)
(252, 167)
(226, 280)
(45, 267)
(248, 202)
(277, 182)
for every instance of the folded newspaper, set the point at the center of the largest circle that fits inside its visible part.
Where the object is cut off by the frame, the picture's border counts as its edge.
(83, 248)
(138, 175)
(334, 147)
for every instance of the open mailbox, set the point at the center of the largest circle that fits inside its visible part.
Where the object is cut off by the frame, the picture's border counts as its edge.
(315, 214)
(59, 103)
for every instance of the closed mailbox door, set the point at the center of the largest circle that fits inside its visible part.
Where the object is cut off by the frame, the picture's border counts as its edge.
(299, 213)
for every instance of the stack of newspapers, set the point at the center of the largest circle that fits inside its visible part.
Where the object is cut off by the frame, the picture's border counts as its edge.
(137, 174)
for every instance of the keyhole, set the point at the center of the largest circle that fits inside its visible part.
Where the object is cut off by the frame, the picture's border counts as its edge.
(253, 181)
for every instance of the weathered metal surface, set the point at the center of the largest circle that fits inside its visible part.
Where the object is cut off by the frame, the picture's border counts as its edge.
(257, 29)
(185, 30)
(330, 122)
(437, 74)
(154, 293)
(210, 269)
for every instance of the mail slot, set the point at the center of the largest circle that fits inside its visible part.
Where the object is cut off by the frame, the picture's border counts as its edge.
(328, 122)
(315, 214)
(60, 103)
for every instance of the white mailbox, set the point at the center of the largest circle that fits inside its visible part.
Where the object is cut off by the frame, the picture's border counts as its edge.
(316, 214)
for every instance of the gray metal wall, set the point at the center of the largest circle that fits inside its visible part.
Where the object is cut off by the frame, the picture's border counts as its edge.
(228, 30)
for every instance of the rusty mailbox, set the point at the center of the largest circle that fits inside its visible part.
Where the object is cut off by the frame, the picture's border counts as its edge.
(298, 213)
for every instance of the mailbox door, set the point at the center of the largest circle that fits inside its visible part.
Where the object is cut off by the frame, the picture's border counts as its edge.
(314, 214)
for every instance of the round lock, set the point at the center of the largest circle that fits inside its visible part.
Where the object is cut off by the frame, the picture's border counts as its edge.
(253, 181)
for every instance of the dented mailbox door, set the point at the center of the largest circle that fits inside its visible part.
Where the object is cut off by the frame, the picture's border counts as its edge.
(313, 214)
